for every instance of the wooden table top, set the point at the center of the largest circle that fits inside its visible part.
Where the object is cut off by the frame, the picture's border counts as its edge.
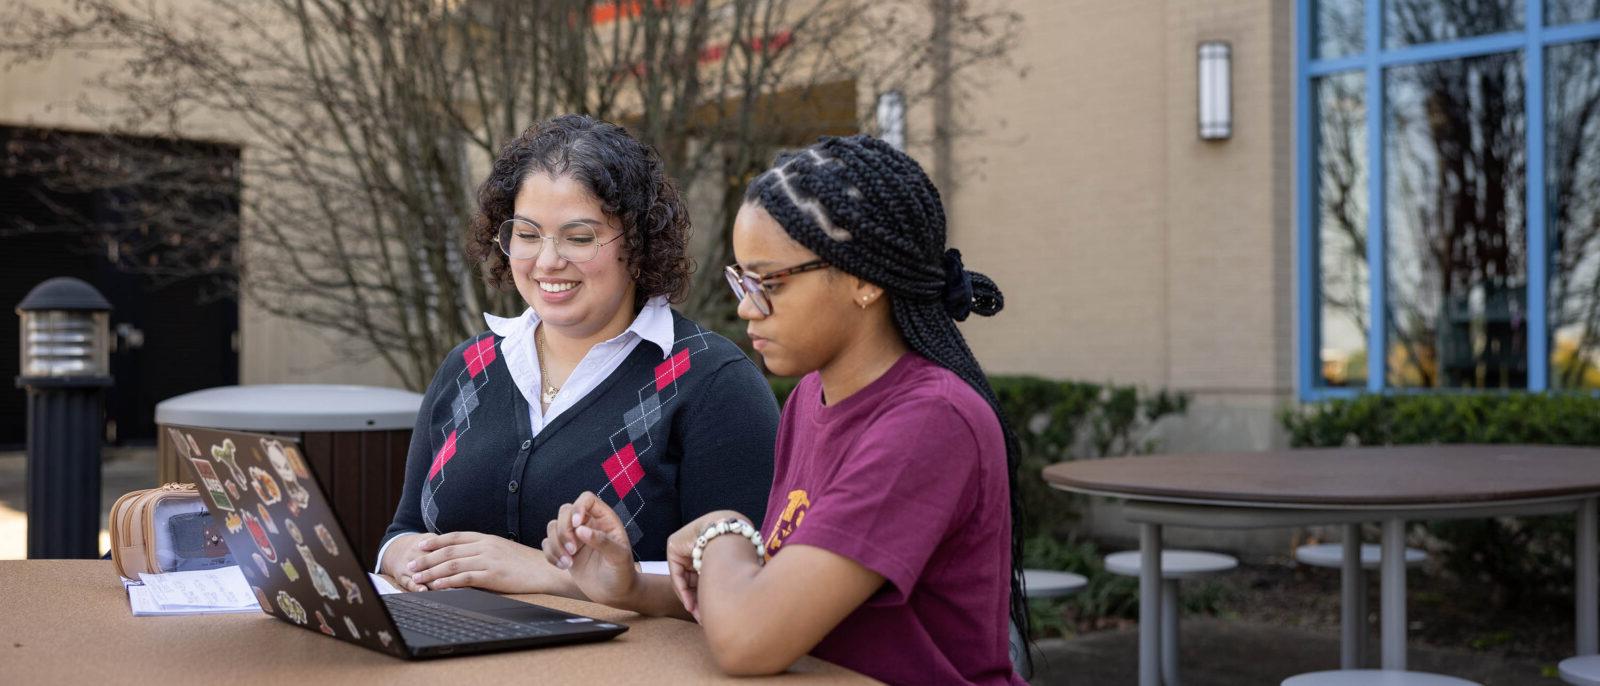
(68, 621)
(1397, 476)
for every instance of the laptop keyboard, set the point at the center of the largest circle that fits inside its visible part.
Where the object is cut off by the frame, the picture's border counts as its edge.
(453, 625)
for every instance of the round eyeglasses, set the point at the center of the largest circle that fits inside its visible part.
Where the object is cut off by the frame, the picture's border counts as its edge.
(520, 240)
(757, 287)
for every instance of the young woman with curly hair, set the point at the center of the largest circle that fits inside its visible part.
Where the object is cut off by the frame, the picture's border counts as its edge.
(892, 540)
(598, 386)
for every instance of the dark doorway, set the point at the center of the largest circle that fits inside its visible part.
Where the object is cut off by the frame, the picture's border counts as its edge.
(153, 224)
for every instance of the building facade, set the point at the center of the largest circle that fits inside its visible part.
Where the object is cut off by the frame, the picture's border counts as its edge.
(1416, 177)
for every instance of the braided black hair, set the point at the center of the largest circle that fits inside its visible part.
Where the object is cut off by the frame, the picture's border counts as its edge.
(870, 211)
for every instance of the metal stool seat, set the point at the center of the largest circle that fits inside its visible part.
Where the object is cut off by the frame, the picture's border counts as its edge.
(1045, 583)
(1580, 671)
(1375, 677)
(1331, 555)
(1176, 565)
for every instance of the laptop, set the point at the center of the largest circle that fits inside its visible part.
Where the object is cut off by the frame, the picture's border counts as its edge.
(266, 503)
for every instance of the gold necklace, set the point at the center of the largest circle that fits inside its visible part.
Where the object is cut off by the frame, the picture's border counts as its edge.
(550, 389)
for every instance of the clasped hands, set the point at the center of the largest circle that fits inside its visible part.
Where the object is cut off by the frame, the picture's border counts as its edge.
(463, 559)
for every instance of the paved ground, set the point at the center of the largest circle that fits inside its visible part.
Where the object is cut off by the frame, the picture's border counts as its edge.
(1241, 653)
(125, 469)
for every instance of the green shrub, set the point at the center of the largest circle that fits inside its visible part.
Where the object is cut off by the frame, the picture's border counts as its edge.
(1064, 420)
(1517, 559)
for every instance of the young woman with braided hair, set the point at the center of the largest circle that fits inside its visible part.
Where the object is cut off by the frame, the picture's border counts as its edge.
(892, 537)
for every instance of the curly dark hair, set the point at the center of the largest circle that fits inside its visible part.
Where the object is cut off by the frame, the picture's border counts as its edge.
(626, 176)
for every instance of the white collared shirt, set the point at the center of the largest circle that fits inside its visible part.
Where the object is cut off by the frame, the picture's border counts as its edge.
(653, 324)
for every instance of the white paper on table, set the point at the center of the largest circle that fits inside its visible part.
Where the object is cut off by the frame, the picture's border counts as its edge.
(383, 585)
(143, 603)
(654, 567)
(223, 587)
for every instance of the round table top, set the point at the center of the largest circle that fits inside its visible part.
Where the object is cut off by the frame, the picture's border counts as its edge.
(1393, 476)
(293, 407)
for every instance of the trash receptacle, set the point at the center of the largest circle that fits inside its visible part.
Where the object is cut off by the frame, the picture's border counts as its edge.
(355, 438)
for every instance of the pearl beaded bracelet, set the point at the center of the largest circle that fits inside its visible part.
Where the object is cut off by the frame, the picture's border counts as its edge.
(731, 525)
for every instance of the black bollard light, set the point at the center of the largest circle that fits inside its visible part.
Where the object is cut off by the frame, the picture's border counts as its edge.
(65, 369)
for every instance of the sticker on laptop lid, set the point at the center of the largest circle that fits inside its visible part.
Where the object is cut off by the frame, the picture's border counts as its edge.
(213, 484)
(261, 599)
(320, 579)
(290, 571)
(265, 486)
(296, 462)
(322, 624)
(266, 519)
(259, 535)
(327, 539)
(299, 497)
(294, 531)
(233, 491)
(384, 638)
(225, 454)
(262, 563)
(352, 592)
(234, 524)
(194, 448)
(291, 608)
(351, 625)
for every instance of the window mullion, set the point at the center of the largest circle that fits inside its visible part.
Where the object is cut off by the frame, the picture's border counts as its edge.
(1538, 248)
(1377, 319)
(1309, 295)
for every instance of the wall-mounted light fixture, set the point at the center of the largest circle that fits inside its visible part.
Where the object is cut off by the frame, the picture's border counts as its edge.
(891, 115)
(1216, 90)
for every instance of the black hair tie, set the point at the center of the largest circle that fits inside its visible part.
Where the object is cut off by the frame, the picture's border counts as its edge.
(957, 286)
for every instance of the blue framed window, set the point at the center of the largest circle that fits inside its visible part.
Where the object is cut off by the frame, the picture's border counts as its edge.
(1448, 176)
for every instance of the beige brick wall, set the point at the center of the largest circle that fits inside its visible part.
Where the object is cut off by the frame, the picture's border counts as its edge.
(1227, 227)
(1130, 250)
(1061, 197)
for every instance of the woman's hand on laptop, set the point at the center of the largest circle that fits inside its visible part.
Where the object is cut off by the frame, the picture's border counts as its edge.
(588, 540)
(468, 559)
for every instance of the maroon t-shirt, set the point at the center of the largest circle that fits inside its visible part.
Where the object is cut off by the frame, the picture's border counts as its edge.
(908, 478)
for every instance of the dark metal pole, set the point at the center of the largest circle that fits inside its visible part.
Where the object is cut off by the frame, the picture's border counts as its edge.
(65, 368)
(65, 428)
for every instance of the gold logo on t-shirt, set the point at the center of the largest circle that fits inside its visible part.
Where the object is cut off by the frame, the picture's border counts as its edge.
(793, 514)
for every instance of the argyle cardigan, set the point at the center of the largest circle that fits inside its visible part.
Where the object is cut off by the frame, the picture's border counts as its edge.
(662, 441)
